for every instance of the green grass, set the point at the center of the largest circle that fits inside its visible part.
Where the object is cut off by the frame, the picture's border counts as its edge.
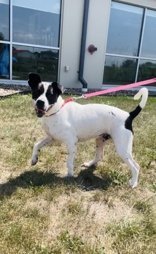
(41, 212)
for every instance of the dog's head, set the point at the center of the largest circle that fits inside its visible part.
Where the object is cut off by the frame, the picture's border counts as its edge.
(45, 95)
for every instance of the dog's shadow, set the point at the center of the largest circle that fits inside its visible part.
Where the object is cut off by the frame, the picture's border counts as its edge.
(86, 180)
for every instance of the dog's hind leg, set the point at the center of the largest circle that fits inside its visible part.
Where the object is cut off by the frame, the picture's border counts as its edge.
(123, 146)
(38, 146)
(98, 154)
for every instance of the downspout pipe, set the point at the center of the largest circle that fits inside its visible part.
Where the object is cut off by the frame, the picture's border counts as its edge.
(83, 46)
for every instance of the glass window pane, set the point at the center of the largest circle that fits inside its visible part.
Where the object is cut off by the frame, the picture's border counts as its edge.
(31, 59)
(4, 61)
(4, 20)
(147, 70)
(36, 22)
(149, 39)
(119, 70)
(124, 29)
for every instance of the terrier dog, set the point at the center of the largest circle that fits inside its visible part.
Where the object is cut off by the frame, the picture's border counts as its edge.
(70, 122)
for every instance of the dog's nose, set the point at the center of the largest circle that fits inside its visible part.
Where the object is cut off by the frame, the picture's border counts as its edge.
(40, 104)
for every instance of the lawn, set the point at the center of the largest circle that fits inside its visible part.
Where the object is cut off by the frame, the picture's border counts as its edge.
(41, 212)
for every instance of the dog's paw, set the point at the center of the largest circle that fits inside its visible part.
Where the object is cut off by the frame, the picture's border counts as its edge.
(133, 184)
(69, 175)
(34, 160)
(89, 164)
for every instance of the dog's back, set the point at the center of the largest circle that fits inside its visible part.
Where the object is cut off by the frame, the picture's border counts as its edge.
(90, 120)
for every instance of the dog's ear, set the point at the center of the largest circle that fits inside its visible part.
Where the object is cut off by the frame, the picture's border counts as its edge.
(33, 80)
(57, 88)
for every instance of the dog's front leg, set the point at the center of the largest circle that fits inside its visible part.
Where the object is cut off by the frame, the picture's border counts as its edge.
(37, 147)
(71, 147)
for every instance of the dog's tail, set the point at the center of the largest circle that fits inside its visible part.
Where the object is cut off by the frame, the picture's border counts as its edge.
(143, 92)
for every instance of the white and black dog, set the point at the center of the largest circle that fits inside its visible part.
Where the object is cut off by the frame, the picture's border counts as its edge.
(72, 122)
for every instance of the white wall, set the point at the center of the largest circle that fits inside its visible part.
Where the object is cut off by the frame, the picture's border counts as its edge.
(98, 21)
(71, 40)
(72, 15)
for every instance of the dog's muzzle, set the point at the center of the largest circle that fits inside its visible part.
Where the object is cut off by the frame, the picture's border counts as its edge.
(42, 112)
(39, 112)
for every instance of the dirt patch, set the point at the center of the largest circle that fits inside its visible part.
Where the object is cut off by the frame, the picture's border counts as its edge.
(7, 90)
(81, 215)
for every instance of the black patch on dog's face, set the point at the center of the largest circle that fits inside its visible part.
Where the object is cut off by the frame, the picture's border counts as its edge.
(36, 93)
(53, 93)
(37, 88)
(39, 108)
(33, 80)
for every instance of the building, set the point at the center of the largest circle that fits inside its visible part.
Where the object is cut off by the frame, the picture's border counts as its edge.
(81, 43)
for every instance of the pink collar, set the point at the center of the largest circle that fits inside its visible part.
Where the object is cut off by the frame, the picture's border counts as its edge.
(66, 101)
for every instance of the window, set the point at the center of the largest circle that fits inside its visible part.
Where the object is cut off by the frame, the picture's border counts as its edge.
(131, 51)
(149, 38)
(124, 29)
(43, 61)
(4, 20)
(4, 36)
(147, 69)
(35, 22)
(29, 38)
(4, 61)
(119, 70)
